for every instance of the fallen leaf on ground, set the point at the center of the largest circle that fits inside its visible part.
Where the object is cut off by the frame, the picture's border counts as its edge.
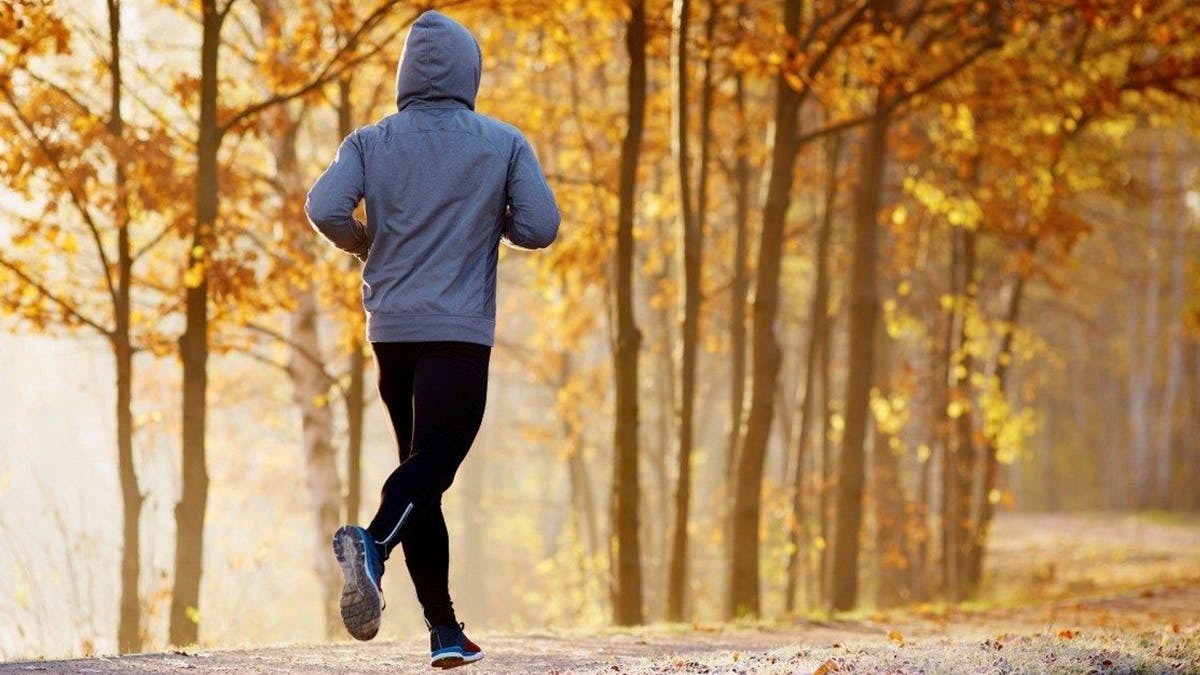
(830, 666)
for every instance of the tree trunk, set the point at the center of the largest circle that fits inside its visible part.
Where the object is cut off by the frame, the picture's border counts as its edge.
(817, 319)
(193, 348)
(355, 398)
(891, 506)
(864, 314)
(963, 455)
(824, 581)
(747, 502)
(129, 632)
(310, 391)
(689, 334)
(737, 307)
(1179, 254)
(1186, 446)
(1145, 350)
(626, 550)
(948, 499)
(974, 573)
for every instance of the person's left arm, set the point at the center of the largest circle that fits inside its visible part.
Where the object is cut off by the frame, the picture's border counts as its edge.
(333, 198)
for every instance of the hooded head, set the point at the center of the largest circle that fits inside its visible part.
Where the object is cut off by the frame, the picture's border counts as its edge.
(441, 62)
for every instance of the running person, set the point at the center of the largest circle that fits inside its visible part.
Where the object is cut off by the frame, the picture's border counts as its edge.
(443, 187)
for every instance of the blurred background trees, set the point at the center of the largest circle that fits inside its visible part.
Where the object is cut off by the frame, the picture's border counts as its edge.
(837, 282)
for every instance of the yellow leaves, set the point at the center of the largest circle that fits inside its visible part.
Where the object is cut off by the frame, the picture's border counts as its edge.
(963, 122)
(957, 211)
(891, 413)
(194, 275)
(955, 409)
(895, 638)
(29, 294)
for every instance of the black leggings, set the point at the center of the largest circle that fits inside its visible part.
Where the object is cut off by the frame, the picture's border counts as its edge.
(434, 393)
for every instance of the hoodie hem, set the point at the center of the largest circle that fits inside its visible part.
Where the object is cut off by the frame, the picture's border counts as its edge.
(401, 327)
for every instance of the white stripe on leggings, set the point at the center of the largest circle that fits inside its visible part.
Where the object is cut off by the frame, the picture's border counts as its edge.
(396, 529)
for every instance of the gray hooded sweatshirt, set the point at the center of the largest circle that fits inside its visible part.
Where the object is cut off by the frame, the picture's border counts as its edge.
(443, 186)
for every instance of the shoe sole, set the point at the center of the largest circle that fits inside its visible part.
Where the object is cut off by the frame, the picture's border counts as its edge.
(362, 603)
(455, 660)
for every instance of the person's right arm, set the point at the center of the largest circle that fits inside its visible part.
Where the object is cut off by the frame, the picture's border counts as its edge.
(333, 198)
(533, 217)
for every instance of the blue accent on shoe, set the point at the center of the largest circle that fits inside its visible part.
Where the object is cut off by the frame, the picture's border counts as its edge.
(374, 558)
(362, 568)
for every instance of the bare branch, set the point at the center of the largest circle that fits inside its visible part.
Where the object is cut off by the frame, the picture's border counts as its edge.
(314, 359)
(947, 73)
(61, 91)
(332, 69)
(76, 200)
(224, 11)
(52, 297)
(153, 241)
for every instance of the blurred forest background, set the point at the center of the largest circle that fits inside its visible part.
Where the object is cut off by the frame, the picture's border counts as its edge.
(838, 282)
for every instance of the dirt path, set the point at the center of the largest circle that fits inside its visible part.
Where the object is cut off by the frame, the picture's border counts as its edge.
(1156, 630)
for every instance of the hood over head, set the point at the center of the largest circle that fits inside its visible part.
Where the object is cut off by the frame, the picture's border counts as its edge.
(441, 62)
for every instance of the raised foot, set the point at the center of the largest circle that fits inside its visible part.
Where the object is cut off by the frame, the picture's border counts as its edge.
(362, 601)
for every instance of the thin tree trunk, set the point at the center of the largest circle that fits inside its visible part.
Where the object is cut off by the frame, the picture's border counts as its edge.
(737, 308)
(964, 452)
(1178, 251)
(828, 475)
(310, 389)
(864, 314)
(626, 550)
(193, 349)
(891, 506)
(747, 502)
(817, 319)
(129, 634)
(355, 397)
(689, 333)
(948, 506)
(991, 466)
(1144, 361)
(1187, 444)
(581, 487)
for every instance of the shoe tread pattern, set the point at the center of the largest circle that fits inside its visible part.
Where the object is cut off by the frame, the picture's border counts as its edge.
(361, 601)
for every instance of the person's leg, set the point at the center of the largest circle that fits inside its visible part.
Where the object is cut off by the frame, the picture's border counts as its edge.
(396, 362)
(357, 550)
(449, 396)
(426, 545)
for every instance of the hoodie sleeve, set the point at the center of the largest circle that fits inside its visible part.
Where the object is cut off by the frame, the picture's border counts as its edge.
(533, 218)
(335, 195)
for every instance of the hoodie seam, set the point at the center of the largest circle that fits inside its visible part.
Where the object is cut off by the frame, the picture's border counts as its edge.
(465, 132)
